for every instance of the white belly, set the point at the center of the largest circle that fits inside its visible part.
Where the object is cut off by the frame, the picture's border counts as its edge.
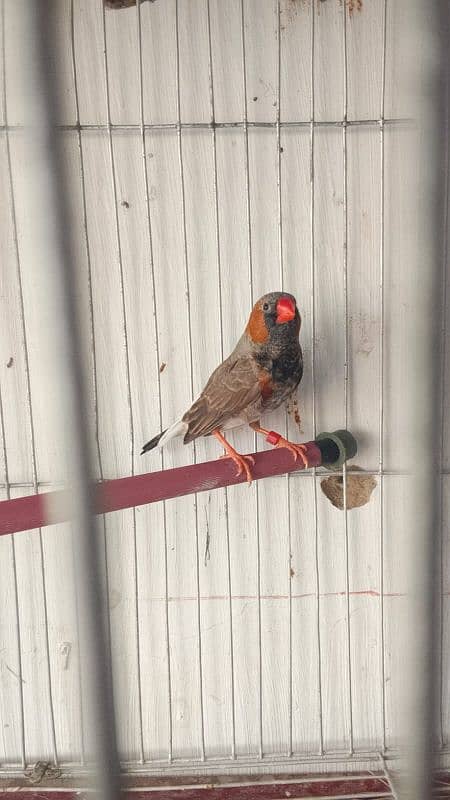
(234, 422)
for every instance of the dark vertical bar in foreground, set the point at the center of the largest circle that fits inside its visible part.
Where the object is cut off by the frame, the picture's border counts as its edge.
(52, 256)
(420, 67)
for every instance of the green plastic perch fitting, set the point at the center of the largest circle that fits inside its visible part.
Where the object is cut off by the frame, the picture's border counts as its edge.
(346, 446)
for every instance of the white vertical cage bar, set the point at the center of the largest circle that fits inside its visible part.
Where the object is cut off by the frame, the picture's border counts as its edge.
(127, 370)
(16, 593)
(50, 235)
(278, 146)
(346, 356)
(445, 265)
(2, 420)
(388, 776)
(219, 279)
(191, 363)
(313, 372)
(83, 760)
(29, 405)
(381, 380)
(158, 374)
(250, 279)
(247, 168)
(281, 268)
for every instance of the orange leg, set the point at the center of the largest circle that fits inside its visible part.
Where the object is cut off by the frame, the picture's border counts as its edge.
(296, 449)
(242, 462)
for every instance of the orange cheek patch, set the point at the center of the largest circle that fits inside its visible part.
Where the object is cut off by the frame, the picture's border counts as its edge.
(256, 327)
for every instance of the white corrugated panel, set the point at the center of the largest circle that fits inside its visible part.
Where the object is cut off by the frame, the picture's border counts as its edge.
(283, 642)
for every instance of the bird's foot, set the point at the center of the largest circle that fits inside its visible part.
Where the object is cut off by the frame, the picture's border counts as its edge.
(296, 450)
(274, 438)
(242, 463)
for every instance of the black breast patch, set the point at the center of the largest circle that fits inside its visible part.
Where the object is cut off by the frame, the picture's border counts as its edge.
(285, 368)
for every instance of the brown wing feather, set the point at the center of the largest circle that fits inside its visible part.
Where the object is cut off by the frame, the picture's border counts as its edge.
(231, 388)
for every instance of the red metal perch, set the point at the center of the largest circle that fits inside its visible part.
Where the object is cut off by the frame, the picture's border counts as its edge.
(329, 787)
(330, 450)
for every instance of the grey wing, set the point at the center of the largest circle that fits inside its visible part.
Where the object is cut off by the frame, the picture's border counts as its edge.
(231, 388)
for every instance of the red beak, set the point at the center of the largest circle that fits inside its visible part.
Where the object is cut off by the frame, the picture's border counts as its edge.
(285, 310)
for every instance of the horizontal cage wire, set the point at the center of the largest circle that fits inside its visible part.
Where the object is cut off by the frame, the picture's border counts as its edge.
(226, 738)
(351, 123)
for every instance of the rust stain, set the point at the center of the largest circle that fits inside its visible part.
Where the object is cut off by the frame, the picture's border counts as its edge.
(354, 5)
(290, 8)
(162, 366)
(359, 489)
(292, 572)
(294, 412)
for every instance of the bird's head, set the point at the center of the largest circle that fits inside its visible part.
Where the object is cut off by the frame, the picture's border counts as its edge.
(273, 315)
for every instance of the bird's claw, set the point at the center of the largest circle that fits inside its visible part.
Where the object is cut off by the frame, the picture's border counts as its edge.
(296, 450)
(242, 463)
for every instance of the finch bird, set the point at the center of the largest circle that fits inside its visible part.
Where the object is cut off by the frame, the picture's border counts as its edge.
(265, 367)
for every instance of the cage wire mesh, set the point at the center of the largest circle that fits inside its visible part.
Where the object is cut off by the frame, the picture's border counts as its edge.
(217, 151)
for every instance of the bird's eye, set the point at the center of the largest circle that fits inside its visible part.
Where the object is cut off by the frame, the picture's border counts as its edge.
(266, 307)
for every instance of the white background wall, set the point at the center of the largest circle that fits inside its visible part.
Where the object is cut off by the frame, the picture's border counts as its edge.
(281, 665)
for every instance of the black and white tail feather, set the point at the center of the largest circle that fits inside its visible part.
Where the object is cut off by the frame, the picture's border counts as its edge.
(177, 429)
